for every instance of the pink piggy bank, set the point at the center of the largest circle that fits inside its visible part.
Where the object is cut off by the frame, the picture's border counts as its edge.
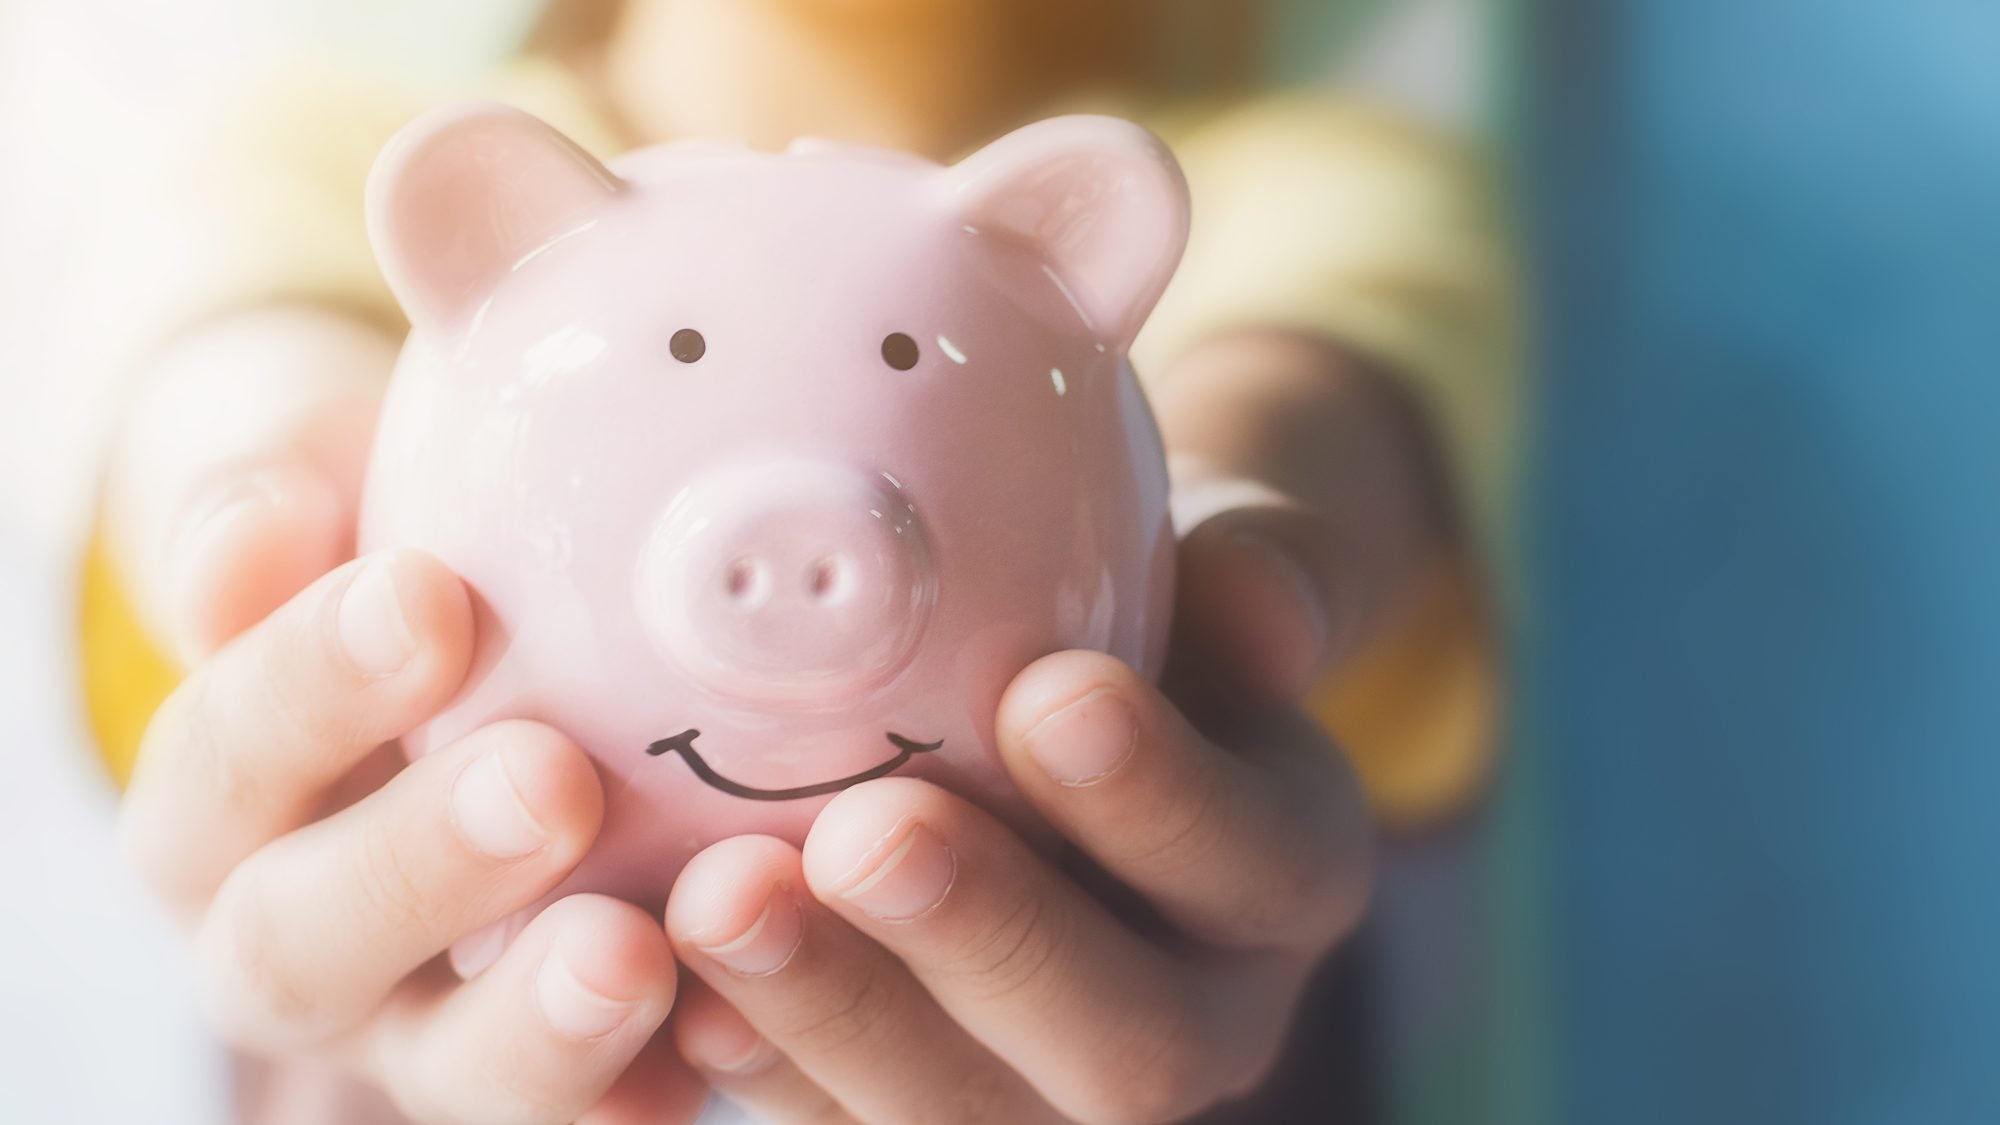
(769, 472)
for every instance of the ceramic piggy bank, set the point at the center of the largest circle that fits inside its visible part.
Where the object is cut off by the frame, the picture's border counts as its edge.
(769, 472)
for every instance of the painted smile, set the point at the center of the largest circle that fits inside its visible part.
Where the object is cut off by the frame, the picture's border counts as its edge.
(683, 744)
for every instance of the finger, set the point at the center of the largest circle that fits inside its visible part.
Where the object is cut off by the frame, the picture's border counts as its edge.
(245, 749)
(1268, 850)
(309, 934)
(257, 534)
(1331, 456)
(234, 475)
(543, 1034)
(742, 1065)
(658, 1088)
(1103, 1024)
(1265, 595)
(843, 1010)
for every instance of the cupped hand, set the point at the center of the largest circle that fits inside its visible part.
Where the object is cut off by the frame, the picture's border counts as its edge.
(318, 878)
(320, 884)
(235, 472)
(917, 961)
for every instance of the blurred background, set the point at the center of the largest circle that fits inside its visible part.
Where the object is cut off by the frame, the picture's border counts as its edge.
(1739, 865)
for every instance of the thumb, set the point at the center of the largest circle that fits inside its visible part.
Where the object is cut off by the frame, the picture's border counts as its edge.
(245, 542)
(236, 474)
(1262, 606)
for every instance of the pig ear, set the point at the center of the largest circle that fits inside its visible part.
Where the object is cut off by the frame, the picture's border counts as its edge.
(462, 194)
(1101, 200)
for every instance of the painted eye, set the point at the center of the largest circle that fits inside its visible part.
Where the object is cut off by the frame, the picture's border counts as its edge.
(899, 351)
(687, 345)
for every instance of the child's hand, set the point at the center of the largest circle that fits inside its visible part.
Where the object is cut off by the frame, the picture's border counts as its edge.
(917, 961)
(1311, 502)
(320, 883)
(235, 475)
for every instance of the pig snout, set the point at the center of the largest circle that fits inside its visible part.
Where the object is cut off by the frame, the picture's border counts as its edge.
(788, 583)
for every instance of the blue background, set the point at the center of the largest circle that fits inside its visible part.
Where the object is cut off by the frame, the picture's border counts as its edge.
(1763, 716)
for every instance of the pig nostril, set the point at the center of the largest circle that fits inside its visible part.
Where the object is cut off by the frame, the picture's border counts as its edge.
(799, 584)
(828, 580)
(744, 581)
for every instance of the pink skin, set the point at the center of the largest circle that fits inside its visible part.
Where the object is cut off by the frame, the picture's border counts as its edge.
(825, 555)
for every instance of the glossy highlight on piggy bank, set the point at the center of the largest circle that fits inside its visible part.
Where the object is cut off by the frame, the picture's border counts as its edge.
(769, 472)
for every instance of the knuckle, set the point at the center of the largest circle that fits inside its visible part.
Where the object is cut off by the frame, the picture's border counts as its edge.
(186, 761)
(147, 825)
(508, 1098)
(1340, 899)
(255, 991)
(1301, 902)
(1166, 1071)
(1282, 873)
(1250, 1070)
(478, 1098)
(1331, 856)
(147, 849)
(846, 1014)
(988, 1093)
(450, 1076)
(388, 889)
(1190, 830)
(293, 695)
(1326, 880)
(1011, 956)
(187, 743)
(220, 764)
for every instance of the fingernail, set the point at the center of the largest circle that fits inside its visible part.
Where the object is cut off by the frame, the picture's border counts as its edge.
(1305, 601)
(1203, 490)
(574, 1009)
(907, 882)
(1085, 741)
(209, 520)
(767, 945)
(476, 952)
(372, 629)
(216, 510)
(487, 810)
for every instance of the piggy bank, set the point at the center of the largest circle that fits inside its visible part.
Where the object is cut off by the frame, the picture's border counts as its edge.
(768, 472)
